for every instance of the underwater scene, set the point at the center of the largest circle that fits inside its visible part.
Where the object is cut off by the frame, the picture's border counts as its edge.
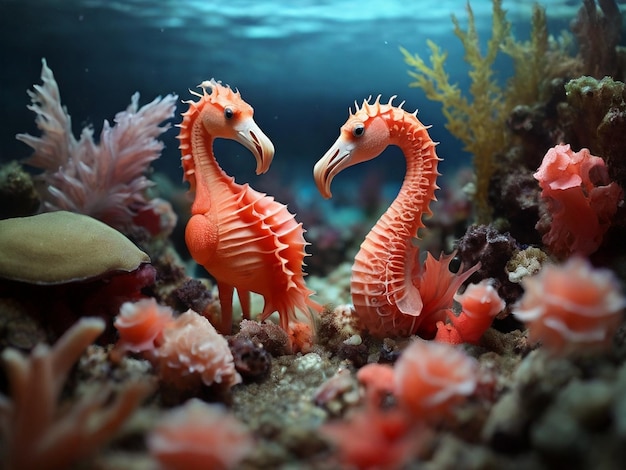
(312, 234)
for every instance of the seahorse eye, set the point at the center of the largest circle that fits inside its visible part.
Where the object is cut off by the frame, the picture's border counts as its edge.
(228, 113)
(358, 130)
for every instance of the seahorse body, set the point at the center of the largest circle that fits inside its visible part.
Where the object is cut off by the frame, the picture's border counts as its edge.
(391, 292)
(245, 239)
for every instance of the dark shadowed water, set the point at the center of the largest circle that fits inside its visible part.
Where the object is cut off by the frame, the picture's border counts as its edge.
(301, 64)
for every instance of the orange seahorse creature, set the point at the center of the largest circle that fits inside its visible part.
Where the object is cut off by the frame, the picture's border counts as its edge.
(245, 239)
(392, 293)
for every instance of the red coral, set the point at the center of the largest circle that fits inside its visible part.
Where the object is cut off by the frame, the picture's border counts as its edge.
(480, 303)
(431, 377)
(199, 435)
(572, 307)
(580, 199)
(140, 325)
(373, 439)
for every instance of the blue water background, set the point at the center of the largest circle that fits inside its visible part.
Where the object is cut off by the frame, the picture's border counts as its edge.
(301, 64)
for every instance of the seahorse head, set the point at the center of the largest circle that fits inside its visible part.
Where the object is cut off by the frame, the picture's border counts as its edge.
(224, 114)
(363, 137)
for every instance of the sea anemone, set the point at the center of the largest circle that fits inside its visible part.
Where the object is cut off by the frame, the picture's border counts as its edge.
(480, 303)
(193, 352)
(581, 200)
(430, 378)
(199, 435)
(375, 439)
(140, 325)
(571, 307)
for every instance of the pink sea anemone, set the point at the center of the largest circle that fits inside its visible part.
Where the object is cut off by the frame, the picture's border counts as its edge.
(375, 439)
(194, 353)
(431, 377)
(480, 303)
(140, 325)
(199, 435)
(571, 307)
(580, 199)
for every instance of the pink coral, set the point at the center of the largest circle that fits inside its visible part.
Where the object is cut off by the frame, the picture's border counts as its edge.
(140, 325)
(572, 307)
(37, 430)
(480, 303)
(194, 353)
(431, 377)
(107, 180)
(580, 199)
(374, 439)
(199, 436)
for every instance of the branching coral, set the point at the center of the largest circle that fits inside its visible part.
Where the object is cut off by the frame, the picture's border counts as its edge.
(478, 119)
(104, 180)
(36, 432)
(599, 32)
(595, 114)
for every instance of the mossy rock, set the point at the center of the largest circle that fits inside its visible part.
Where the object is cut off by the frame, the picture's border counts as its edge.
(60, 247)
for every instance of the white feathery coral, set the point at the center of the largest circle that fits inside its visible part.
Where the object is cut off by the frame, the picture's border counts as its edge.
(107, 180)
(36, 432)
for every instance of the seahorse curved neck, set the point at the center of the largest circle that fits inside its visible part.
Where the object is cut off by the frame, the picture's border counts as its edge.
(204, 172)
(404, 217)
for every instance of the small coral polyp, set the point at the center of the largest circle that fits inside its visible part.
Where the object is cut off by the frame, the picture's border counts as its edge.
(431, 377)
(572, 307)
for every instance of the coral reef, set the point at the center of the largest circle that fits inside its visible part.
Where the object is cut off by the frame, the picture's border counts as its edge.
(186, 351)
(17, 192)
(529, 102)
(594, 117)
(38, 432)
(198, 435)
(61, 266)
(521, 368)
(478, 119)
(105, 180)
(572, 308)
(598, 32)
(575, 186)
(480, 303)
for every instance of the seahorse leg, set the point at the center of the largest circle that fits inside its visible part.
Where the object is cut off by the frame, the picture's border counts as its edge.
(244, 300)
(226, 304)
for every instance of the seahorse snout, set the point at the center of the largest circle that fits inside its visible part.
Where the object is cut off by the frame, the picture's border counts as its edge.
(252, 137)
(334, 160)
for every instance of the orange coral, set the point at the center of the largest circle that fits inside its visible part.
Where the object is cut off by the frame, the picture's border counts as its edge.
(480, 303)
(140, 325)
(571, 307)
(431, 377)
(580, 199)
(199, 436)
(378, 380)
(186, 351)
(373, 439)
